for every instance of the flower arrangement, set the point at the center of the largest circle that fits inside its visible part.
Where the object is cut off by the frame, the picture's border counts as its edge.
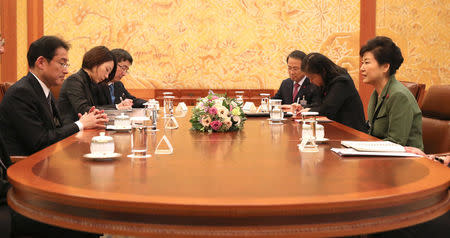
(217, 113)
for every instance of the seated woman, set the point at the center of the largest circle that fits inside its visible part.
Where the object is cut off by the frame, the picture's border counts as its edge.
(340, 100)
(393, 112)
(81, 91)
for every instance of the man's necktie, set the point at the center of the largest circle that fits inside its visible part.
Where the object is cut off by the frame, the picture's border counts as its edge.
(294, 95)
(50, 105)
(111, 92)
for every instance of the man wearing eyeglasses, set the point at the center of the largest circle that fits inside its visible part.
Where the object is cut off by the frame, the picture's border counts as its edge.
(116, 91)
(297, 88)
(28, 94)
(29, 118)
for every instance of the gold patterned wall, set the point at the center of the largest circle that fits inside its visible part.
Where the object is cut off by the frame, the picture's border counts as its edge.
(208, 43)
(420, 28)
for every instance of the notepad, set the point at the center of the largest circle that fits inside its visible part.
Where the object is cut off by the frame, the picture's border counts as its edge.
(374, 146)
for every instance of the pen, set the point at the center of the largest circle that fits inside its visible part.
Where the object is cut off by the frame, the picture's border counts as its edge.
(297, 99)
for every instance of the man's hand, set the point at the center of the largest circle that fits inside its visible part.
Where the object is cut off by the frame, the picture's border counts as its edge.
(94, 119)
(125, 104)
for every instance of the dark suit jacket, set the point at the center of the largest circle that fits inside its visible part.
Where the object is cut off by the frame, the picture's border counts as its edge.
(78, 94)
(6, 162)
(121, 92)
(26, 122)
(309, 90)
(341, 103)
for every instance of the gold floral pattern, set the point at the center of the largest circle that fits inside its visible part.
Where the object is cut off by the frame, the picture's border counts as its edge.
(420, 28)
(208, 44)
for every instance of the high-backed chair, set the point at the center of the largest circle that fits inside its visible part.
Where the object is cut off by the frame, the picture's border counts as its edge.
(417, 89)
(436, 119)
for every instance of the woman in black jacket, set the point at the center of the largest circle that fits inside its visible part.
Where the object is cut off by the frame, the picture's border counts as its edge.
(340, 99)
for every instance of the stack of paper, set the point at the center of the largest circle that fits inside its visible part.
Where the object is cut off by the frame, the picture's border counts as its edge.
(372, 148)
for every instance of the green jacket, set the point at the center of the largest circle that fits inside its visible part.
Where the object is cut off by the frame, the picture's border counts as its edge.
(395, 115)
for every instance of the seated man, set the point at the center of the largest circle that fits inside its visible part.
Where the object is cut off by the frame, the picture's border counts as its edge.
(29, 118)
(20, 226)
(116, 91)
(297, 87)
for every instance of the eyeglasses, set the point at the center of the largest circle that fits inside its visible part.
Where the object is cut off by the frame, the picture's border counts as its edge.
(293, 68)
(64, 65)
(124, 68)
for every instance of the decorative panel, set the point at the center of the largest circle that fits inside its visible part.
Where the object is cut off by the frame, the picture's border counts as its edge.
(208, 44)
(420, 28)
(22, 39)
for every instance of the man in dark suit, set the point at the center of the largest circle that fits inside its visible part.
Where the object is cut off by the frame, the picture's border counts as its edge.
(12, 223)
(115, 91)
(297, 87)
(29, 118)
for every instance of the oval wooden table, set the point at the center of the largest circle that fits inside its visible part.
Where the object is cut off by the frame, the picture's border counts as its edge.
(252, 183)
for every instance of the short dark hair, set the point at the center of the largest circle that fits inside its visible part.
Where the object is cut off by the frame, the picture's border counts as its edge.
(122, 55)
(97, 56)
(46, 47)
(296, 54)
(317, 63)
(385, 51)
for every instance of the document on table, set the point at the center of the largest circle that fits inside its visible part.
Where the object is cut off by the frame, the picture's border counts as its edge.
(374, 146)
(353, 152)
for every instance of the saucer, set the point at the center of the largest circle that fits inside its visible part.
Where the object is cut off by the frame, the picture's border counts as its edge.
(113, 128)
(284, 119)
(100, 156)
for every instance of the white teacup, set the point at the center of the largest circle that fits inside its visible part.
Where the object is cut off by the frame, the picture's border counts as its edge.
(102, 144)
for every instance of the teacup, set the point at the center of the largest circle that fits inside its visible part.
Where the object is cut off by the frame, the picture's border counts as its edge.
(102, 144)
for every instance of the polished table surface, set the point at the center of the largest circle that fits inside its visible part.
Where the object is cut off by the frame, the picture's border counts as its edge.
(252, 183)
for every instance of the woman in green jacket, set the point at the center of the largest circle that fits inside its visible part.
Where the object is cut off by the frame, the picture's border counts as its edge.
(393, 112)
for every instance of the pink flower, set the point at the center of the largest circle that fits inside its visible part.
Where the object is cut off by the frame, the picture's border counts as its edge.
(215, 125)
(205, 121)
(213, 111)
(214, 97)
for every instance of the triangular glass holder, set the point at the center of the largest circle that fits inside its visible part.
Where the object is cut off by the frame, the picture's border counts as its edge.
(164, 151)
(171, 123)
(308, 144)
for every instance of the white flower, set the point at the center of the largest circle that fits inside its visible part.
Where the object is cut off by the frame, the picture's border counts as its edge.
(227, 122)
(222, 111)
(218, 102)
(234, 104)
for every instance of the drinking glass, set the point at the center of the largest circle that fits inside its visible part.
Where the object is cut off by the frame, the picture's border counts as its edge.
(276, 115)
(240, 97)
(151, 111)
(264, 102)
(275, 103)
(139, 137)
(168, 106)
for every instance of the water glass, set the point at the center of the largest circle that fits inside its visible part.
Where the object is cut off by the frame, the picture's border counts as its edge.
(276, 115)
(240, 97)
(139, 136)
(264, 102)
(168, 106)
(151, 111)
